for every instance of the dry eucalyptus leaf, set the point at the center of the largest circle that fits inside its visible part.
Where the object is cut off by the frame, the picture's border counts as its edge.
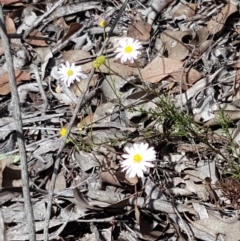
(139, 30)
(60, 184)
(73, 28)
(160, 68)
(78, 88)
(160, 4)
(10, 26)
(201, 35)
(214, 226)
(173, 42)
(124, 178)
(12, 176)
(3, 163)
(110, 178)
(120, 69)
(146, 228)
(85, 121)
(87, 161)
(7, 2)
(1, 48)
(20, 76)
(75, 55)
(187, 10)
(187, 79)
(36, 42)
(217, 22)
(61, 23)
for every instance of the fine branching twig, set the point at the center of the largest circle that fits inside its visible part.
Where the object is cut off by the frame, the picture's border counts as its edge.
(19, 129)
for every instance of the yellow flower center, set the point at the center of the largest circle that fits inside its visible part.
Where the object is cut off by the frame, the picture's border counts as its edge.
(102, 23)
(137, 158)
(63, 131)
(128, 49)
(98, 62)
(69, 72)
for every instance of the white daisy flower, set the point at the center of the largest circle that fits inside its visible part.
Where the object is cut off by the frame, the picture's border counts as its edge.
(68, 73)
(138, 159)
(128, 50)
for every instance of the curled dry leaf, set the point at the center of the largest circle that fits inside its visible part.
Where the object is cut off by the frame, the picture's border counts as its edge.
(173, 42)
(217, 22)
(20, 76)
(139, 30)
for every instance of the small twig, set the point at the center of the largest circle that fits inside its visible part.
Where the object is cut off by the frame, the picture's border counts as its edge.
(32, 144)
(41, 89)
(39, 20)
(19, 129)
(81, 103)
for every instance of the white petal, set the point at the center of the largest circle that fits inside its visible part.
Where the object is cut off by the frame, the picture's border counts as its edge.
(122, 43)
(139, 172)
(130, 41)
(68, 65)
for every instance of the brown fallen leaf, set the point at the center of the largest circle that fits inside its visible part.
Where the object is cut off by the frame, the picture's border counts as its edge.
(15, 2)
(173, 41)
(10, 26)
(116, 68)
(188, 78)
(61, 23)
(214, 226)
(217, 22)
(124, 178)
(110, 178)
(75, 55)
(78, 87)
(139, 30)
(36, 42)
(85, 121)
(1, 48)
(160, 68)
(146, 227)
(20, 76)
(73, 28)
(187, 10)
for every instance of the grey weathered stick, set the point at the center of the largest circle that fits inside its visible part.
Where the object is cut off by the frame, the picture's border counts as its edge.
(81, 103)
(41, 89)
(19, 129)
